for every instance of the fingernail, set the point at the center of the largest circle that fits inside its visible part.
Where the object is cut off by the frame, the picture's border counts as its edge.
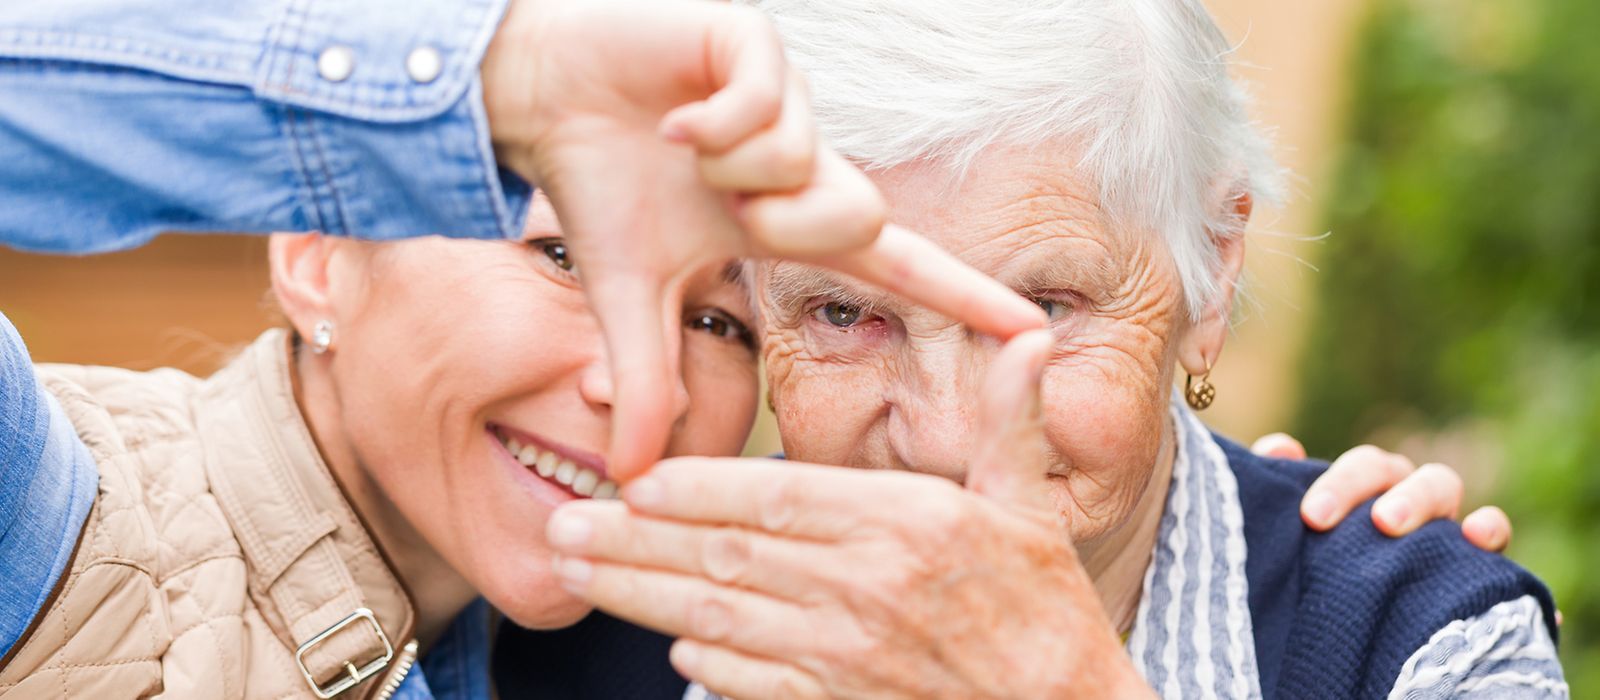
(574, 573)
(1394, 513)
(568, 529)
(1319, 509)
(645, 492)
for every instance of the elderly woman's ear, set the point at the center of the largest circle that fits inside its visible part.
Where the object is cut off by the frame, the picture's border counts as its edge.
(1202, 345)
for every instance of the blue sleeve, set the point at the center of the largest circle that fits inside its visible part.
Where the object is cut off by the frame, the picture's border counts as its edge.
(48, 482)
(122, 119)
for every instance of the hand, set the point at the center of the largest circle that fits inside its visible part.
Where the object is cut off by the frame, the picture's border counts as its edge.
(672, 135)
(1410, 495)
(789, 580)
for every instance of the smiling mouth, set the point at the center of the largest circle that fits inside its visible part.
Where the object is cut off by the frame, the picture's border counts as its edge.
(549, 463)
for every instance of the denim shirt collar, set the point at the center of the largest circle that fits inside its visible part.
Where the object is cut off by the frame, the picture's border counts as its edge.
(457, 667)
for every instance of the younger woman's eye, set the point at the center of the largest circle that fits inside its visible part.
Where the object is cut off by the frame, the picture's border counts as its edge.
(839, 314)
(720, 324)
(556, 250)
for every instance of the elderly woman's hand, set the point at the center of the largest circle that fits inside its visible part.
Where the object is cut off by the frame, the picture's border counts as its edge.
(1408, 496)
(788, 580)
(670, 136)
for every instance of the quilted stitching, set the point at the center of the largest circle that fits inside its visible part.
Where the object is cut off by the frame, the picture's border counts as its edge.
(170, 549)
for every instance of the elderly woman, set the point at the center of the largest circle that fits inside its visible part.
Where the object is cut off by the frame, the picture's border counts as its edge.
(1096, 157)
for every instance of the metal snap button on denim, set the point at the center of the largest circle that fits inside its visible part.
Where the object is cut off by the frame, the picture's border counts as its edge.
(336, 63)
(424, 64)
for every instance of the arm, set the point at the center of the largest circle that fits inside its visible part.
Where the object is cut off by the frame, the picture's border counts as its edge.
(668, 135)
(122, 119)
(47, 485)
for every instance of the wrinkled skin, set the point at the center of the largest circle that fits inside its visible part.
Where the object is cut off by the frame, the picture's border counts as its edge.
(800, 581)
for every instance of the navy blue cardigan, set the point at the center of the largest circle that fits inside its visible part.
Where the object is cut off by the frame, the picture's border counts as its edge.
(1335, 615)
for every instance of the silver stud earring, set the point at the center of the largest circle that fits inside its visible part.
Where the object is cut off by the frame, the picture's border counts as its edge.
(322, 336)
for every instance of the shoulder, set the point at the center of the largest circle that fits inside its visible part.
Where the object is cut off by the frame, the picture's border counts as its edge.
(1348, 607)
(1505, 649)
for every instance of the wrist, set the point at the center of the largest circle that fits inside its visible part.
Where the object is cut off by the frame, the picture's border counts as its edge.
(510, 75)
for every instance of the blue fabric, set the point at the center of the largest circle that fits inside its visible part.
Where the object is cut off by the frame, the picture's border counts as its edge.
(600, 657)
(47, 485)
(457, 667)
(1337, 614)
(122, 119)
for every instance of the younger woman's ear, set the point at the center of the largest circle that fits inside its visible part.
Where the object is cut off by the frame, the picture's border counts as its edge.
(299, 265)
(1203, 344)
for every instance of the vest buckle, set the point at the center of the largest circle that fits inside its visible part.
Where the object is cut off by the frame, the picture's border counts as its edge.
(354, 674)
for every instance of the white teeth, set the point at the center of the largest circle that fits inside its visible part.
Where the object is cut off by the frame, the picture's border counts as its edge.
(527, 455)
(547, 464)
(583, 484)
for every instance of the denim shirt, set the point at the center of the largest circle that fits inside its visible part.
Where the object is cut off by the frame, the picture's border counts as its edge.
(121, 119)
(457, 667)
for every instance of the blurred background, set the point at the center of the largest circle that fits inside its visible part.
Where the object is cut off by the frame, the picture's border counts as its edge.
(1449, 149)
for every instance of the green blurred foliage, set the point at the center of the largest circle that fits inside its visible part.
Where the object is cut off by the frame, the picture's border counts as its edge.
(1460, 290)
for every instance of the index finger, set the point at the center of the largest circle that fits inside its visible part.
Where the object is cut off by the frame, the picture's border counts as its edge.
(787, 498)
(913, 267)
(643, 352)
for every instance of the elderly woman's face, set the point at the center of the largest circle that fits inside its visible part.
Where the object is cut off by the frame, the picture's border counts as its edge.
(447, 351)
(862, 380)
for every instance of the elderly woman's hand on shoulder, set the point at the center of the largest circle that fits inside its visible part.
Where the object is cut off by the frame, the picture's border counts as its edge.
(803, 581)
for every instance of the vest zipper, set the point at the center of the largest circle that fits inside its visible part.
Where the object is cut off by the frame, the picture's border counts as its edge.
(401, 668)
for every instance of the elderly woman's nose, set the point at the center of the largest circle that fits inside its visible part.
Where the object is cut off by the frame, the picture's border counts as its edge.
(934, 417)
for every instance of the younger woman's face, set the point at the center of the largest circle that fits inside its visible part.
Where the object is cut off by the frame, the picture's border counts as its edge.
(474, 388)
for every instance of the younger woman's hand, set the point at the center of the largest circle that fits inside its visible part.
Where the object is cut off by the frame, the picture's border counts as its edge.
(1408, 495)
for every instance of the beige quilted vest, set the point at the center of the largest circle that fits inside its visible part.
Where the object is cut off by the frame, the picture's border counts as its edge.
(221, 559)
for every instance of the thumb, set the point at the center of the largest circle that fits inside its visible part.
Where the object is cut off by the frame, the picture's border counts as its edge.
(1010, 462)
(642, 341)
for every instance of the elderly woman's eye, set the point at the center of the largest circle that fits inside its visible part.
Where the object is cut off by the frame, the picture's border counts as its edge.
(720, 324)
(1055, 309)
(556, 250)
(839, 315)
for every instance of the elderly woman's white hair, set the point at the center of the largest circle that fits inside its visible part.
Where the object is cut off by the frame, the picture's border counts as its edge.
(1141, 86)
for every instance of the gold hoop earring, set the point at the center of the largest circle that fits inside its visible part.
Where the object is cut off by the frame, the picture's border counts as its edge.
(1200, 395)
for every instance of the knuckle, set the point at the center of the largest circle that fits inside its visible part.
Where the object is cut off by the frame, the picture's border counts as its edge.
(866, 213)
(1367, 457)
(790, 686)
(726, 554)
(710, 619)
(778, 507)
(1442, 477)
(792, 162)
